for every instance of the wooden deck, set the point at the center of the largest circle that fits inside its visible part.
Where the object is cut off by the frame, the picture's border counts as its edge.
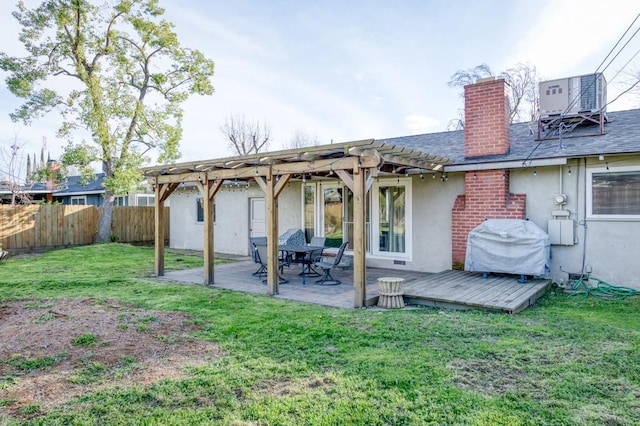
(449, 289)
(464, 290)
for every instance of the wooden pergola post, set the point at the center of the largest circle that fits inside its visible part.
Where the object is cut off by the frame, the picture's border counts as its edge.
(159, 234)
(359, 238)
(208, 190)
(162, 192)
(271, 199)
(272, 188)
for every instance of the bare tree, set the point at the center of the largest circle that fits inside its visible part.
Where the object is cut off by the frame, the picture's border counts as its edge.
(300, 139)
(246, 137)
(523, 79)
(11, 165)
(523, 93)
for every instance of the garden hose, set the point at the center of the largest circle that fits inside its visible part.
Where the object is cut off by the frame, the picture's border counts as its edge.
(601, 290)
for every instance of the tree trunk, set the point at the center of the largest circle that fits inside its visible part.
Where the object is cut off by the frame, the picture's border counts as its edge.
(104, 226)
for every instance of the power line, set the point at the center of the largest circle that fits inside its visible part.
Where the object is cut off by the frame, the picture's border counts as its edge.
(593, 82)
(618, 42)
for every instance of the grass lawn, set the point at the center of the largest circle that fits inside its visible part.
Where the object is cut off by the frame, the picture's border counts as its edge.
(564, 361)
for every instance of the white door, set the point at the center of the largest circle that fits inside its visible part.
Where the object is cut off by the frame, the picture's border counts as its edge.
(257, 217)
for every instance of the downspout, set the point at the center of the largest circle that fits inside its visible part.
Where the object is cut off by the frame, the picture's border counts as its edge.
(584, 201)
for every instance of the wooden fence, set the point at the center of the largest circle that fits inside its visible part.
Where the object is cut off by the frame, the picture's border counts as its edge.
(48, 226)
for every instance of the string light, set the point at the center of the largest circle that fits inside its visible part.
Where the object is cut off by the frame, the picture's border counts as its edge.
(569, 171)
(421, 175)
(304, 178)
(535, 173)
(433, 175)
(606, 165)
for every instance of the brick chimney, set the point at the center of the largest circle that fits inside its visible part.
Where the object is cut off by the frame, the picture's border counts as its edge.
(487, 195)
(486, 118)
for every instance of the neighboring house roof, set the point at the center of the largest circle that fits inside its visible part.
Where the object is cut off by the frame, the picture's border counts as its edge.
(621, 137)
(73, 185)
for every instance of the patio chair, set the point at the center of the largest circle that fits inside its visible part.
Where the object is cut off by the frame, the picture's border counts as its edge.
(253, 241)
(260, 252)
(326, 267)
(314, 256)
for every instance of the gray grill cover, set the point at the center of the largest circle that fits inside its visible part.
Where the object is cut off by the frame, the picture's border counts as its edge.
(510, 246)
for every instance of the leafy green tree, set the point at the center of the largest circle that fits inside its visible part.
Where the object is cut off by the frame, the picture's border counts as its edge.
(127, 76)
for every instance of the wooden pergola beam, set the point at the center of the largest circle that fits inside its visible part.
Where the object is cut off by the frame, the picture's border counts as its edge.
(250, 172)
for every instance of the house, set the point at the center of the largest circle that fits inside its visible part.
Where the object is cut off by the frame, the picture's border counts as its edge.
(423, 194)
(72, 190)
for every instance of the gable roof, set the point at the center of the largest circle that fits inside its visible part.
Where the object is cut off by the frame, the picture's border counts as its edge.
(622, 136)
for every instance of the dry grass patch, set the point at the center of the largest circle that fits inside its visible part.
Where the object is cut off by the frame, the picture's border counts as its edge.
(53, 351)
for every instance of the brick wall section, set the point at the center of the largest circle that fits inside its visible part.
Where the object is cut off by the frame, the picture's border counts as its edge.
(486, 197)
(486, 115)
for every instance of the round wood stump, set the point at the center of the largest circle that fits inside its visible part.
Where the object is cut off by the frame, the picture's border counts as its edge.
(390, 290)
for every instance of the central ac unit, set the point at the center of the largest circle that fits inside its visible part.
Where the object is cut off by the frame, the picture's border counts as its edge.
(574, 95)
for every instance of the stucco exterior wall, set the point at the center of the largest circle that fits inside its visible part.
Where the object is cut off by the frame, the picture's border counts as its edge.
(609, 247)
(432, 201)
(231, 228)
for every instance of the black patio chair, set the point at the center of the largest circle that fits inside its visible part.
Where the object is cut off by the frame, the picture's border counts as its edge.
(253, 241)
(326, 267)
(260, 252)
(313, 256)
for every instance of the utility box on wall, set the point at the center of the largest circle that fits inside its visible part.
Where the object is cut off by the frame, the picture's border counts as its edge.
(561, 232)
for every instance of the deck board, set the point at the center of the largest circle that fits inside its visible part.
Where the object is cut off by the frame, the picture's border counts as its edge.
(464, 289)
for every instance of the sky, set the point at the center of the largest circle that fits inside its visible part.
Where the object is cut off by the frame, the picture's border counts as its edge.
(343, 70)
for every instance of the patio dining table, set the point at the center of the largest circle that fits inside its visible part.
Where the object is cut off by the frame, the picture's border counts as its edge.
(303, 251)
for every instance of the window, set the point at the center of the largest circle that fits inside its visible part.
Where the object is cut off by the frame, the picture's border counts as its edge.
(80, 200)
(120, 200)
(328, 212)
(145, 200)
(614, 193)
(332, 215)
(309, 201)
(200, 211)
(392, 218)
(349, 220)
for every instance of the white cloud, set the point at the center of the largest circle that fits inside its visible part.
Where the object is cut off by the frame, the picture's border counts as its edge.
(420, 123)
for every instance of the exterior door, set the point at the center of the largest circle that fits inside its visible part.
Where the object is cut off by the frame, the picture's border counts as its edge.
(257, 215)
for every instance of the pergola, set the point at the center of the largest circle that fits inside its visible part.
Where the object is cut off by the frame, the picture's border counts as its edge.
(356, 164)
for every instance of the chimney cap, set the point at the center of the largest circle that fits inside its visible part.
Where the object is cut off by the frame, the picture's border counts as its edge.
(485, 79)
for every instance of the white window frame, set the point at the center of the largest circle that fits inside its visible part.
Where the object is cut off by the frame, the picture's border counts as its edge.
(375, 219)
(82, 198)
(604, 170)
